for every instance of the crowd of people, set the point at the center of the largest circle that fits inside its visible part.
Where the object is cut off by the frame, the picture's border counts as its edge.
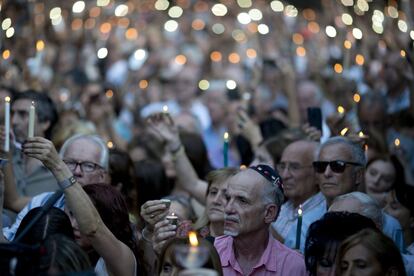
(195, 137)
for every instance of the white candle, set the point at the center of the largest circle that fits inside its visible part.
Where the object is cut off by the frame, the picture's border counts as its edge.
(7, 124)
(31, 120)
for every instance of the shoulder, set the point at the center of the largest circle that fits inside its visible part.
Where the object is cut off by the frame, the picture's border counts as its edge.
(290, 262)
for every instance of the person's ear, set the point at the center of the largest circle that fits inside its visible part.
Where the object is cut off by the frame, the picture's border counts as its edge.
(359, 177)
(270, 213)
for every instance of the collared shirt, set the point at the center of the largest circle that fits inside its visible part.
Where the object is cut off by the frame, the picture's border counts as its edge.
(37, 201)
(40, 180)
(288, 215)
(392, 228)
(277, 259)
(308, 217)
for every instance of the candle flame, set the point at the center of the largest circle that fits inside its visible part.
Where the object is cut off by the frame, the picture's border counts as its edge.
(226, 136)
(243, 167)
(165, 108)
(33, 103)
(397, 142)
(361, 134)
(7, 99)
(344, 131)
(172, 214)
(192, 236)
(300, 210)
(110, 144)
(341, 109)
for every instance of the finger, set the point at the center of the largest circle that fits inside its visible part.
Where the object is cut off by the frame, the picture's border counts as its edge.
(34, 151)
(164, 236)
(162, 223)
(155, 208)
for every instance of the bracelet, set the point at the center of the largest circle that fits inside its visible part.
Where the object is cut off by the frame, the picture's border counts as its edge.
(144, 237)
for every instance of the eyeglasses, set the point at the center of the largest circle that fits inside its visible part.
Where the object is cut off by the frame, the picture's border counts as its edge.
(86, 167)
(337, 166)
(292, 167)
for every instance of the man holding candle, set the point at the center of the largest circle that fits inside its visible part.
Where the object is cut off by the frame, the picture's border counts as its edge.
(253, 200)
(29, 174)
(301, 188)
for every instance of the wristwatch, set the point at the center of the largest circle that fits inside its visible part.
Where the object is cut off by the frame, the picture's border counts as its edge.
(67, 182)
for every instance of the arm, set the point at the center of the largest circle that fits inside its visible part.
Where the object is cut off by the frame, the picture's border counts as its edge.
(12, 199)
(2, 238)
(119, 258)
(163, 127)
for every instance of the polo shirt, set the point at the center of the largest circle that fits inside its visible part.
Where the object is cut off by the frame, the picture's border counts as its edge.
(277, 259)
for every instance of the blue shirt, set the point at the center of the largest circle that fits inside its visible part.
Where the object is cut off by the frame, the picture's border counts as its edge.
(37, 201)
(392, 228)
(308, 218)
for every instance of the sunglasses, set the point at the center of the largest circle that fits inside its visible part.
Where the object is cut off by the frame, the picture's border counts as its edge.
(337, 166)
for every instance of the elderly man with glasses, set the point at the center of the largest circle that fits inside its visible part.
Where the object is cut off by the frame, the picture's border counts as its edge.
(86, 156)
(301, 189)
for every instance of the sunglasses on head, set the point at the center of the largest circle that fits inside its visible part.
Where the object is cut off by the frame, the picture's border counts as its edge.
(337, 166)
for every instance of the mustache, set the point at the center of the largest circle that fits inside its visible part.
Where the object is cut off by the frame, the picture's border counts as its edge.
(231, 218)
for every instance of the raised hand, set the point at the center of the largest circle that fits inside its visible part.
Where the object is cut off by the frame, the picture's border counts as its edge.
(154, 211)
(43, 150)
(162, 125)
(163, 232)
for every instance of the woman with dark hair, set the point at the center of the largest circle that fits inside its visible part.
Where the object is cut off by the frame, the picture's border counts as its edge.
(151, 181)
(55, 221)
(369, 253)
(324, 237)
(121, 171)
(382, 174)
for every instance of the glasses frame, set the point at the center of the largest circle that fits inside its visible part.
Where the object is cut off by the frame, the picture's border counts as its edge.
(81, 164)
(335, 165)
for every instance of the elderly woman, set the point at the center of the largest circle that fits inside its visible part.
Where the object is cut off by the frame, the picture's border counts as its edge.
(115, 257)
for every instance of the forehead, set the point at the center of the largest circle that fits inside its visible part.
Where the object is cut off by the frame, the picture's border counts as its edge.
(22, 104)
(335, 152)
(298, 152)
(246, 182)
(383, 166)
(83, 150)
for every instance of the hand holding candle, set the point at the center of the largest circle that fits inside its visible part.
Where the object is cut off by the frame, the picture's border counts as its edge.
(31, 120)
(7, 124)
(226, 149)
(299, 227)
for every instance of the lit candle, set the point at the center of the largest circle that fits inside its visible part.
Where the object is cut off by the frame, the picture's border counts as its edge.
(31, 120)
(173, 219)
(7, 124)
(397, 142)
(165, 109)
(226, 149)
(299, 227)
(193, 254)
(344, 131)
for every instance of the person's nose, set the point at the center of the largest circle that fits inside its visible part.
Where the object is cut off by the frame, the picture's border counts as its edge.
(285, 173)
(229, 208)
(77, 171)
(328, 172)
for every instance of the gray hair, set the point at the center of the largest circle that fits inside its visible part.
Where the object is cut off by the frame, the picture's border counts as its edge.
(104, 158)
(357, 152)
(370, 207)
(272, 193)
